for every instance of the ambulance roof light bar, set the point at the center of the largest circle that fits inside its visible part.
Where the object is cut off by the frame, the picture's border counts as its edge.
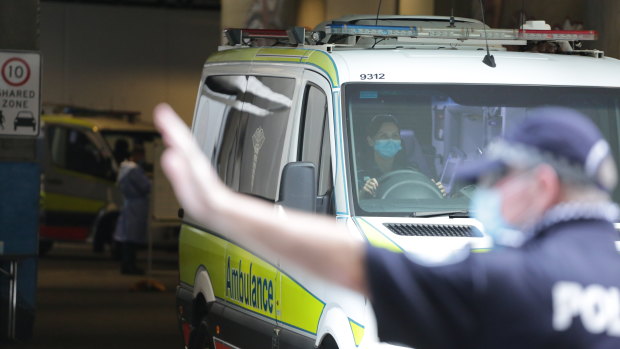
(517, 35)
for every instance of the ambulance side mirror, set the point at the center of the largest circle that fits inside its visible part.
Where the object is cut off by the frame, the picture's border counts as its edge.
(298, 186)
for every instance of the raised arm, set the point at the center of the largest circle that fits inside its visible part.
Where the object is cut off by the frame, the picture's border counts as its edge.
(316, 243)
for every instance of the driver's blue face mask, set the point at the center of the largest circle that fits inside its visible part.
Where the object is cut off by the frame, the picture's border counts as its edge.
(388, 148)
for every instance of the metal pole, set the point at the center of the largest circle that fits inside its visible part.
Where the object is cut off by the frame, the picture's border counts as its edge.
(12, 298)
(149, 252)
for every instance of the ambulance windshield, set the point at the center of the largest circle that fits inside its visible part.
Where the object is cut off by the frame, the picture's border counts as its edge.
(406, 140)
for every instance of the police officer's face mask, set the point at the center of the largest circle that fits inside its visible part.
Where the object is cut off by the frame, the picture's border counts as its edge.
(486, 206)
(388, 148)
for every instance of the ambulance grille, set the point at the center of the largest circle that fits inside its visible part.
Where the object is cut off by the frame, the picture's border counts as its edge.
(438, 230)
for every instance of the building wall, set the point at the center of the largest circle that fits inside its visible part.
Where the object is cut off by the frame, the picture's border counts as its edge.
(19, 24)
(259, 13)
(124, 58)
(131, 58)
(309, 13)
(552, 11)
(603, 16)
(335, 9)
(506, 13)
(235, 13)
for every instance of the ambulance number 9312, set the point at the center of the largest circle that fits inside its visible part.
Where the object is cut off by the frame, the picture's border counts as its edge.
(377, 76)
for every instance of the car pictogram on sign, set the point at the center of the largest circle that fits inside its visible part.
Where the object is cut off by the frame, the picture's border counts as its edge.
(24, 119)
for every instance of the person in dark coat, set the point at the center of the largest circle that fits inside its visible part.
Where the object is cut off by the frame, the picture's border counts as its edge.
(544, 196)
(131, 228)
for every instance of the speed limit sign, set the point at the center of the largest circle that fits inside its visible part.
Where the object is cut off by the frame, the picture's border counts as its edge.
(15, 71)
(20, 87)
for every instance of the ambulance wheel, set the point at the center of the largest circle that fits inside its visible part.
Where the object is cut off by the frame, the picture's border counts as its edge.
(200, 337)
(328, 343)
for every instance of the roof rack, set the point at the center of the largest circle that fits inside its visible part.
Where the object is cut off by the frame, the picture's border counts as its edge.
(428, 31)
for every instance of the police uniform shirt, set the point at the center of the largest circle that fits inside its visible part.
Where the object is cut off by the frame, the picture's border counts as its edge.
(559, 290)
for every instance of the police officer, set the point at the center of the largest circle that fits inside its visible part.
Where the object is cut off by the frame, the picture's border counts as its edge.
(552, 282)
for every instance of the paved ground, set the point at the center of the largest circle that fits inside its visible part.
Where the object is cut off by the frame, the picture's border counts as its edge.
(84, 302)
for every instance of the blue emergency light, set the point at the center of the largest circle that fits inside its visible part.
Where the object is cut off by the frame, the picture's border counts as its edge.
(373, 30)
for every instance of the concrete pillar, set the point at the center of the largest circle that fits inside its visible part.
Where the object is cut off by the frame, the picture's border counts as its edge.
(19, 188)
(19, 25)
(416, 7)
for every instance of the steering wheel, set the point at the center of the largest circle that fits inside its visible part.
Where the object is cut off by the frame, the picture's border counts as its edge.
(407, 184)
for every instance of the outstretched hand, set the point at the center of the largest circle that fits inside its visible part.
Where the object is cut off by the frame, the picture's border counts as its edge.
(197, 186)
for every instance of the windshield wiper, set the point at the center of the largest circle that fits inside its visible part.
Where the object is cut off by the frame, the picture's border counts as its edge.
(450, 214)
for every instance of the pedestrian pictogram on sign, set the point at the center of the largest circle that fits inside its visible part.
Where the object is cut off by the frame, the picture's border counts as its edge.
(20, 86)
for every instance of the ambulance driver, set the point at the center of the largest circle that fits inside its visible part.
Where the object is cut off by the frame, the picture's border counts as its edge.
(387, 155)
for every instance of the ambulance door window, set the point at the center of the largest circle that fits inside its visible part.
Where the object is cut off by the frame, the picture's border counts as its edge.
(249, 156)
(315, 138)
(325, 168)
(314, 108)
(224, 96)
(263, 129)
(228, 157)
(56, 137)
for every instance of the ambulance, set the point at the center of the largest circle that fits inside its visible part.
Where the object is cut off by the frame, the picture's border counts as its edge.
(291, 117)
(80, 156)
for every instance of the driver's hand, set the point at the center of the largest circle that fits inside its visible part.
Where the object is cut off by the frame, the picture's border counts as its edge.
(440, 186)
(370, 187)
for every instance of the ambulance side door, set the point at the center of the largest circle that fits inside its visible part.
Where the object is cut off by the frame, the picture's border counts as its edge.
(249, 160)
(302, 295)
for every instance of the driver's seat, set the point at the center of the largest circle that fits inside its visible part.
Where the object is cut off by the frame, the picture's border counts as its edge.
(414, 153)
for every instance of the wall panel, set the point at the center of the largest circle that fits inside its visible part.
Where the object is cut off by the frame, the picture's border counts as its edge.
(125, 58)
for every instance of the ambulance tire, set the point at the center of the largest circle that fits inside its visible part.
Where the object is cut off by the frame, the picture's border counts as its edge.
(200, 337)
(328, 343)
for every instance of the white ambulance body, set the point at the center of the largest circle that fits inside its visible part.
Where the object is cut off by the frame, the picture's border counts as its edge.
(290, 124)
